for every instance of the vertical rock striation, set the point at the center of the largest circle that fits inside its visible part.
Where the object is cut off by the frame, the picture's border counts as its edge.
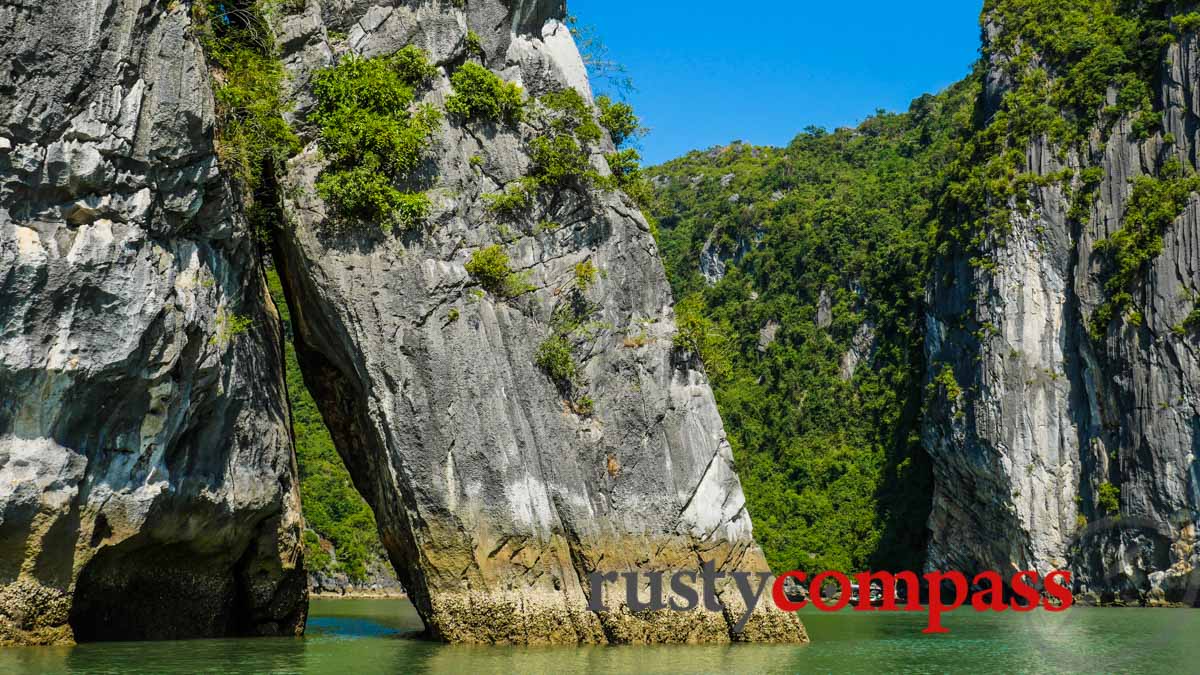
(147, 482)
(496, 497)
(1046, 419)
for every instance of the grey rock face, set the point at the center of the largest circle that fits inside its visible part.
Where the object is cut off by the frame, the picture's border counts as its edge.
(147, 483)
(824, 310)
(495, 496)
(862, 348)
(712, 264)
(766, 335)
(380, 581)
(1047, 414)
(715, 258)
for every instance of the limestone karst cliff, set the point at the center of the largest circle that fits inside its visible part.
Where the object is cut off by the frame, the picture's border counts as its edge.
(147, 483)
(497, 488)
(1066, 336)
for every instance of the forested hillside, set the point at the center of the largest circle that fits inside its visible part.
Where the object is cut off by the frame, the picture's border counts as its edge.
(805, 268)
(341, 536)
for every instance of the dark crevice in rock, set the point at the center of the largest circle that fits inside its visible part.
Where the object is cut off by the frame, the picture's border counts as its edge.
(143, 590)
(135, 592)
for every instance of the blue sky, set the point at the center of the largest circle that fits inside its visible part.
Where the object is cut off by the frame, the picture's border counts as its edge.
(709, 72)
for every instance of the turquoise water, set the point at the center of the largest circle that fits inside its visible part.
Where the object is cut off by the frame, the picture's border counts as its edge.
(348, 637)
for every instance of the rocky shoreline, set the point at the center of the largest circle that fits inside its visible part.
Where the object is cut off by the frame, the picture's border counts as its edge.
(359, 594)
(379, 582)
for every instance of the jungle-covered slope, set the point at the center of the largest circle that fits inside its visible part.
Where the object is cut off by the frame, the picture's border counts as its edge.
(813, 329)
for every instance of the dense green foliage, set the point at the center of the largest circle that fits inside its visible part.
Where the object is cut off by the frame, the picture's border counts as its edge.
(1064, 58)
(1153, 206)
(560, 156)
(1109, 499)
(479, 94)
(333, 509)
(554, 357)
(371, 136)
(490, 268)
(1088, 46)
(559, 160)
(1186, 22)
(252, 135)
(1061, 59)
(834, 472)
(619, 119)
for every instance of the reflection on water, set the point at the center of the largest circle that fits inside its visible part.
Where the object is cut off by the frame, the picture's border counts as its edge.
(377, 636)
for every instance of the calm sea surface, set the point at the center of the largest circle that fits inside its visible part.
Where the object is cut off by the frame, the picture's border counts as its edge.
(349, 637)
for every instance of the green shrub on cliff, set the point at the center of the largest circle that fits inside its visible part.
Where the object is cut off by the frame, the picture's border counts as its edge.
(251, 134)
(625, 165)
(490, 267)
(474, 45)
(480, 94)
(413, 66)
(228, 327)
(628, 176)
(365, 191)
(585, 275)
(699, 336)
(559, 160)
(1109, 499)
(371, 135)
(569, 113)
(561, 155)
(554, 357)
(945, 385)
(1153, 206)
(623, 126)
(515, 198)
(619, 119)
